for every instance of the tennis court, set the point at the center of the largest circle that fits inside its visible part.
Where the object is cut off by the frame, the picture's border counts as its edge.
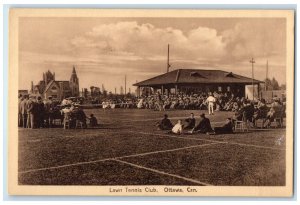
(127, 149)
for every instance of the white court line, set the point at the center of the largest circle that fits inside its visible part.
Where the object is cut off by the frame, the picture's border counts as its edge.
(148, 153)
(214, 141)
(107, 159)
(65, 165)
(163, 151)
(163, 173)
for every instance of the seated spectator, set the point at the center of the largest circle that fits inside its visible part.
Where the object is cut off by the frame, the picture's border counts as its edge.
(165, 123)
(261, 111)
(93, 121)
(276, 110)
(203, 126)
(177, 129)
(80, 116)
(225, 129)
(140, 103)
(190, 122)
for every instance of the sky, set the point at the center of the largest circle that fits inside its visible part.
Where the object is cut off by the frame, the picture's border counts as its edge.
(104, 50)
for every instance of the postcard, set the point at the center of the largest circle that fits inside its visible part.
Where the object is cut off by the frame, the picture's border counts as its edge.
(151, 102)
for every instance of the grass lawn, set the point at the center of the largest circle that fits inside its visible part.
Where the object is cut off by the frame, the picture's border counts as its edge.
(149, 156)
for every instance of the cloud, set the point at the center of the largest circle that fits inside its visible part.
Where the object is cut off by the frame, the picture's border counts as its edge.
(149, 42)
(104, 53)
(259, 39)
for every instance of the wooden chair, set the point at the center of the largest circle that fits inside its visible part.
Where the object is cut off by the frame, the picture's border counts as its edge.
(67, 120)
(241, 124)
(66, 124)
(278, 119)
(79, 124)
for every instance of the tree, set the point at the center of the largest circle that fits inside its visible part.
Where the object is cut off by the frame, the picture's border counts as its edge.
(268, 84)
(275, 84)
(283, 87)
(272, 84)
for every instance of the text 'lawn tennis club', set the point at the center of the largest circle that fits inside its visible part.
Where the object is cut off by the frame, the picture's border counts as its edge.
(151, 189)
(133, 190)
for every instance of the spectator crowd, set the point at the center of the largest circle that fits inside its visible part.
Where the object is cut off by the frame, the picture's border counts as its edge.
(34, 112)
(37, 113)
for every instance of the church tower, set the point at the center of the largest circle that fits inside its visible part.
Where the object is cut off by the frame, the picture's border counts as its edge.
(74, 83)
(48, 77)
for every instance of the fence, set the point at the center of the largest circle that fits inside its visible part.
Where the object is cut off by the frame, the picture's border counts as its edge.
(268, 95)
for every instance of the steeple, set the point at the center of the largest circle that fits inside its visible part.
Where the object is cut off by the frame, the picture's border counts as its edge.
(74, 77)
(74, 83)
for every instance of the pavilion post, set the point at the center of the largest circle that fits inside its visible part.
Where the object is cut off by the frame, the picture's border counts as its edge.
(176, 89)
(258, 91)
(139, 91)
(162, 89)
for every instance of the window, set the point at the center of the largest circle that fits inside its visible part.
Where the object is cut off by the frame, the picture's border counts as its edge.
(54, 89)
(196, 74)
(228, 88)
(219, 89)
(230, 75)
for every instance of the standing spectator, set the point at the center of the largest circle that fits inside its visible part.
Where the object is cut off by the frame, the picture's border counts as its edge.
(49, 111)
(40, 113)
(23, 106)
(31, 112)
(20, 120)
(211, 101)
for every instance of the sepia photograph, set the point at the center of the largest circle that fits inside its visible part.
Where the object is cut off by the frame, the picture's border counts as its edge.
(151, 102)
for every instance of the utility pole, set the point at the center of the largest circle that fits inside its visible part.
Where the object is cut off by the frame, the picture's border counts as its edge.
(252, 63)
(267, 73)
(168, 61)
(125, 85)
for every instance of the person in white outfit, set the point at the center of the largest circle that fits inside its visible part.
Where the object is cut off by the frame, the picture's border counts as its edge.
(177, 129)
(211, 101)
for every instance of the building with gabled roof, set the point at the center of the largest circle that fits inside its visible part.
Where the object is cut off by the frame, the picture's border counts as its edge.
(198, 80)
(49, 87)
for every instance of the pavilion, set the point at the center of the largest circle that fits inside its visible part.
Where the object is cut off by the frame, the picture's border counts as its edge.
(195, 81)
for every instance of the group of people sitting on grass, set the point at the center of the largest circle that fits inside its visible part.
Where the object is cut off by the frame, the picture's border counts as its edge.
(247, 112)
(189, 126)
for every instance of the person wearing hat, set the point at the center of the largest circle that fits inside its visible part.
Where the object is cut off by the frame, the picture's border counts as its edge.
(165, 123)
(191, 122)
(93, 121)
(211, 101)
(40, 112)
(20, 120)
(31, 112)
(204, 125)
(23, 107)
(48, 111)
(227, 128)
